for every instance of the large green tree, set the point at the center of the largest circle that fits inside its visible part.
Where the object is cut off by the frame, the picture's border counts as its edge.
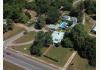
(78, 35)
(90, 6)
(35, 49)
(53, 15)
(67, 43)
(84, 44)
(42, 39)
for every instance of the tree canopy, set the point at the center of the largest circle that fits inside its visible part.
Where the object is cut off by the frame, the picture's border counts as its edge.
(84, 44)
(42, 39)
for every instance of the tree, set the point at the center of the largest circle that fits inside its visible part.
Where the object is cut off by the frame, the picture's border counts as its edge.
(23, 18)
(90, 6)
(67, 4)
(35, 49)
(13, 9)
(48, 39)
(53, 15)
(84, 44)
(67, 43)
(78, 35)
(42, 39)
(40, 22)
(30, 5)
(91, 52)
(41, 6)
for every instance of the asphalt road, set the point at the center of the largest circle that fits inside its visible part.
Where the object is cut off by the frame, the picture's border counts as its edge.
(21, 60)
(24, 62)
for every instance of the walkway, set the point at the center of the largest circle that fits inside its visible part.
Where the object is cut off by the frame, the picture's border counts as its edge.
(20, 44)
(69, 60)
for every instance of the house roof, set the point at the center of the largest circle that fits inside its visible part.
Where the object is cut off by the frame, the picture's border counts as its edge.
(57, 36)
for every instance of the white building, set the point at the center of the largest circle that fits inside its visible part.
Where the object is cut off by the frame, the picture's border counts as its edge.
(57, 36)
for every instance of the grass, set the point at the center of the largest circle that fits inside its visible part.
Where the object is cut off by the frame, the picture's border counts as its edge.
(79, 63)
(25, 48)
(59, 53)
(27, 37)
(13, 32)
(88, 25)
(10, 66)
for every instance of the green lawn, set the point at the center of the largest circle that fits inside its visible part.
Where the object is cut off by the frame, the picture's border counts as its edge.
(79, 63)
(58, 53)
(27, 37)
(11, 33)
(88, 25)
(25, 48)
(10, 66)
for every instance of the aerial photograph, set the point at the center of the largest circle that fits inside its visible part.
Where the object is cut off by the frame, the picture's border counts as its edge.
(49, 34)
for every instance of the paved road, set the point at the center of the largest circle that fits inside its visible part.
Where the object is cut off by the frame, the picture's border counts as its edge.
(24, 62)
(21, 60)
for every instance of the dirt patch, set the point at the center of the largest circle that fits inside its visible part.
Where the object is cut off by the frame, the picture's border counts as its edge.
(19, 25)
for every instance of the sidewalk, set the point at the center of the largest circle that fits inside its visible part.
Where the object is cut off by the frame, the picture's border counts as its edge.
(69, 60)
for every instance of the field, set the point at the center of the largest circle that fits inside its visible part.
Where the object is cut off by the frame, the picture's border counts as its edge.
(10, 66)
(27, 37)
(57, 55)
(79, 63)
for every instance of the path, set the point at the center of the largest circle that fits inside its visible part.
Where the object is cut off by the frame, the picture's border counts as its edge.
(92, 35)
(83, 22)
(69, 60)
(20, 44)
(47, 50)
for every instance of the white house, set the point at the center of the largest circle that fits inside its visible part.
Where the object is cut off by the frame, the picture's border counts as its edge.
(57, 36)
